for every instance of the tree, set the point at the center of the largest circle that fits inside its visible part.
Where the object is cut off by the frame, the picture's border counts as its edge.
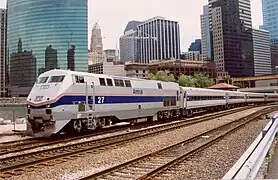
(239, 84)
(162, 76)
(197, 80)
(186, 81)
(202, 81)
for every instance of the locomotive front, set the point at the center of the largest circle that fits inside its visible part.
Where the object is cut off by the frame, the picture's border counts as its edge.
(41, 101)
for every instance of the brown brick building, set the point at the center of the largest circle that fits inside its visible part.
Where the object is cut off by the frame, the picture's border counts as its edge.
(176, 67)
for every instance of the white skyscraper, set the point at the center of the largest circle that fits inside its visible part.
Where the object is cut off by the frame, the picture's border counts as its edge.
(159, 38)
(206, 39)
(262, 53)
(96, 39)
(96, 54)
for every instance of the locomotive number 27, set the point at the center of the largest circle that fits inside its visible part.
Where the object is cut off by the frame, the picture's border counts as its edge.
(100, 100)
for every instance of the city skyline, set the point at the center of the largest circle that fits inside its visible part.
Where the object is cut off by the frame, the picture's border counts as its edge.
(113, 17)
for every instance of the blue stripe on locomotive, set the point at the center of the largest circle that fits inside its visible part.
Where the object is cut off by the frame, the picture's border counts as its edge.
(69, 100)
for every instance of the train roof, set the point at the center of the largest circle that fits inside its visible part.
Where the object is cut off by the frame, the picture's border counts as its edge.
(69, 72)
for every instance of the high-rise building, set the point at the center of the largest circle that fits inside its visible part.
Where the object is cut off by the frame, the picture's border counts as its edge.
(192, 55)
(159, 39)
(196, 46)
(270, 18)
(128, 42)
(262, 55)
(231, 32)
(96, 39)
(3, 51)
(34, 25)
(274, 58)
(206, 39)
(96, 54)
(111, 55)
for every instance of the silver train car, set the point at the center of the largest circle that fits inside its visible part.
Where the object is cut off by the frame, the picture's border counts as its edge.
(69, 101)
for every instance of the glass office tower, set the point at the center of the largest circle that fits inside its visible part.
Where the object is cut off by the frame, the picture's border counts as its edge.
(43, 35)
(270, 19)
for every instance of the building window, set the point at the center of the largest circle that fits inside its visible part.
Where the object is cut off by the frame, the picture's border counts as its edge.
(102, 81)
(137, 71)
(109, 82)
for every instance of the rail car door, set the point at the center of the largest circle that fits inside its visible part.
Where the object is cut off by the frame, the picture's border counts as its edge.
(181, 98)
(185, 99)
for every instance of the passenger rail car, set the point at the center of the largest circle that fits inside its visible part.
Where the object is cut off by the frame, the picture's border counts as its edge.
(235, 98)
(69, 101)
(197, 99)
(271, 97)
(256, 98)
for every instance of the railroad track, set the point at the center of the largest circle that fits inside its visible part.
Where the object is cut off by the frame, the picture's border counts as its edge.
(15, 165)
(23, 145)
(32, 143)
(153, 165)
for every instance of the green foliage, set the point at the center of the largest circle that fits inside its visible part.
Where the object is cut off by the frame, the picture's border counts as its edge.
(186, 81)
(162, 76)
(197, 80)
(239, 84)
(202, 81)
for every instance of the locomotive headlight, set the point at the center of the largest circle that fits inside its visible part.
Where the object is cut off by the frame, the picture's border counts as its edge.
(28, 106)
(48, 106)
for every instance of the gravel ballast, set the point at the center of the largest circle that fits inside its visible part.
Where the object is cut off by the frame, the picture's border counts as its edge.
(215, 161)
(90, 163)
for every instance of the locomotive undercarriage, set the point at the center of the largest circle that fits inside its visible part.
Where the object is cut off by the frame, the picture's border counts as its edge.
(41, 123)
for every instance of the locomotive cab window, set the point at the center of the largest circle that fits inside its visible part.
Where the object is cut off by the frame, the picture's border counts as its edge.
(127, 83)
(102, 82)
(109, 82)
(56, 79)
(42, 80)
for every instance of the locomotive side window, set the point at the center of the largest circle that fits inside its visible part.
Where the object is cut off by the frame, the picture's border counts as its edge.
(42, 80)
(122, 83)
(79, 79)
(109, 82)
(117, 83)
(127, 83)
(159, 85)
(55, 79)
(102, 81)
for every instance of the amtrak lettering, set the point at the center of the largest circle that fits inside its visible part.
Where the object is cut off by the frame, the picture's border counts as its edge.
(138, 91)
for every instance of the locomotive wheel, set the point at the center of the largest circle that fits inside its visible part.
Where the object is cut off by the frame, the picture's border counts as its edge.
(77, 125)
(101, 122)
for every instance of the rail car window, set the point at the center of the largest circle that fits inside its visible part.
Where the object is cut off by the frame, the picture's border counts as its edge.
(42, 80)
(55, 79)
(102, 82)
(236, 97)
(255, 97)
(127, 83)
(159, 85)
(109, 82)
(204, 98)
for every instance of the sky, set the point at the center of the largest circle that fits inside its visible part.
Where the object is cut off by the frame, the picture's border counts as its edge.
(113, 16)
